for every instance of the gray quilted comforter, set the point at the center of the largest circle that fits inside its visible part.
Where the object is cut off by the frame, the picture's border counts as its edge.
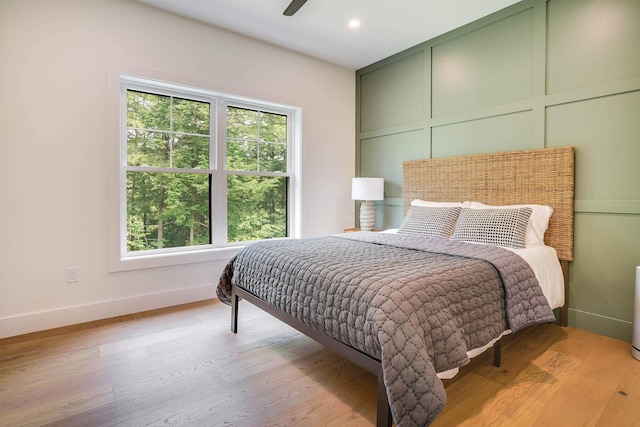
(416, 304)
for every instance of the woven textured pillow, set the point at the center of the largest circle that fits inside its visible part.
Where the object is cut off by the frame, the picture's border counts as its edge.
(430, 221)
(538, 221)
(500, 227)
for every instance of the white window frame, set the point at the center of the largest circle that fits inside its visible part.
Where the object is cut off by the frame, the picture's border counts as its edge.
(219, 249)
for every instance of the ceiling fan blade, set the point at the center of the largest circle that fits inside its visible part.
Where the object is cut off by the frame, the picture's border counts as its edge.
(293, 7)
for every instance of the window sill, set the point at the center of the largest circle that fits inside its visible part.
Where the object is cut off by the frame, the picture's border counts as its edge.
(166, 259)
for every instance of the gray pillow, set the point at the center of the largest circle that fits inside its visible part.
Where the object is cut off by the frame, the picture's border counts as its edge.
(430, 221)
(500, 227)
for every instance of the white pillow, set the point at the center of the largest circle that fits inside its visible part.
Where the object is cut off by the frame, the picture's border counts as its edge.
(430, 204)
(538, 221)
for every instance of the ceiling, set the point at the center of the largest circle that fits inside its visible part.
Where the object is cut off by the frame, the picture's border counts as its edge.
(321, 27)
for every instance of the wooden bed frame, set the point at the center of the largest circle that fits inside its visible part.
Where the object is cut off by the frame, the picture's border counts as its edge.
(541, 176)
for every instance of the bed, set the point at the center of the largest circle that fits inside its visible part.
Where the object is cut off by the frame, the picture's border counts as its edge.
(412, 308)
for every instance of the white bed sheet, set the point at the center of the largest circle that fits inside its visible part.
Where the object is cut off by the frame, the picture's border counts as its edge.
(546, 266)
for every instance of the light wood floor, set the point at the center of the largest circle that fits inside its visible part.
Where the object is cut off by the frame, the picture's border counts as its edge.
(182, 366)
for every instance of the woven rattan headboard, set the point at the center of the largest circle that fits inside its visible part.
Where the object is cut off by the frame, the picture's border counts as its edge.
(543, 176)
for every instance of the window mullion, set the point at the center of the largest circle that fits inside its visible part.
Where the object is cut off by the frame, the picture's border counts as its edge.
(219, 181)
(171, 135)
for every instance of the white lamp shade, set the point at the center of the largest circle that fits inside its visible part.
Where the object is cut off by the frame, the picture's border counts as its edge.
(367, 188)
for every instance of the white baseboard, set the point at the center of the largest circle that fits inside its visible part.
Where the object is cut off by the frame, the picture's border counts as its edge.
(34, 322)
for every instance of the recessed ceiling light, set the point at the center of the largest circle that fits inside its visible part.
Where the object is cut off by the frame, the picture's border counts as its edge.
(354, 23)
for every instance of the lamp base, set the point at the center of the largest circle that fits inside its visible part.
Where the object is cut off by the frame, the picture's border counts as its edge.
(367, 216)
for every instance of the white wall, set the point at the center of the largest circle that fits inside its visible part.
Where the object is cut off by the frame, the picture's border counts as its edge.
(55, 139)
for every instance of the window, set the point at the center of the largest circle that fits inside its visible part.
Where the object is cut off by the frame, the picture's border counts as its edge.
(256, 179)
(201, 170)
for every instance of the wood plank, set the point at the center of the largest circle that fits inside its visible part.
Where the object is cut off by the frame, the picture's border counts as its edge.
(59, 404)
(603, 361)
(623, 408)
(530, 392)
(181, 365)
(465, 398)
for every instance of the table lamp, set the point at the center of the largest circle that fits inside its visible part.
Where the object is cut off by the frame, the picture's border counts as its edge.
(367, 189)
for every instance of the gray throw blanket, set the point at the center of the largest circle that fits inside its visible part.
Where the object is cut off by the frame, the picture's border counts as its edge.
(416, 304)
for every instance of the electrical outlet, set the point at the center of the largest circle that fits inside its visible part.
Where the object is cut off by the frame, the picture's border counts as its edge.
(73, 275)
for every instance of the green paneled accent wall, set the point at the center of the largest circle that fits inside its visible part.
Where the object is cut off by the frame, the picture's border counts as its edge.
(606, 134)
(536, 74)
(480, 136)
(393, 95)
(483, 68)
(604, 276)
(591, 42)
(383, 157)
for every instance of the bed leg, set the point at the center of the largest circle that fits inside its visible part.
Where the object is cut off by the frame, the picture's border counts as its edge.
(235, 300)
(564, 310)
(383, 416)
(497, 354)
